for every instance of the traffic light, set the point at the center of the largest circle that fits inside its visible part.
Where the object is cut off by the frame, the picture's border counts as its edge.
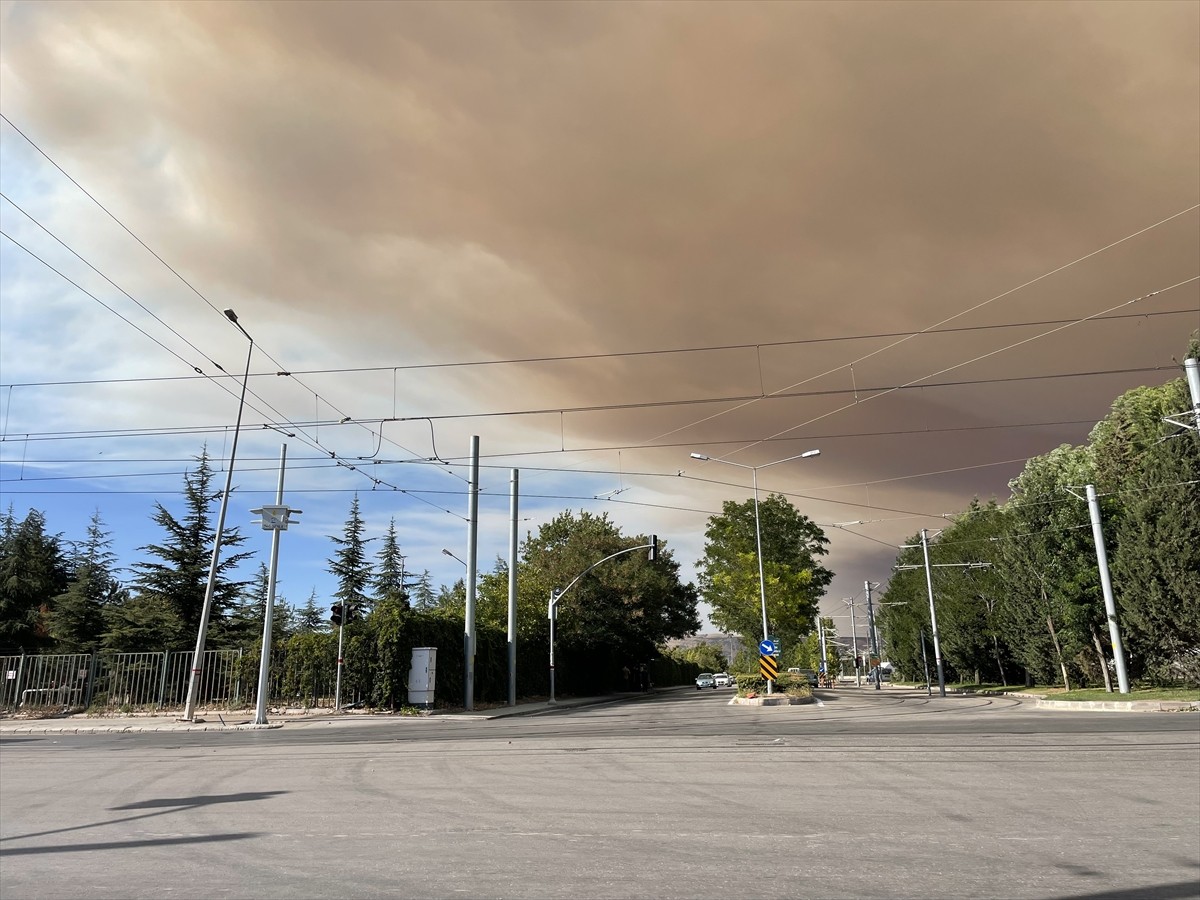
(654, 548)
(336, 617)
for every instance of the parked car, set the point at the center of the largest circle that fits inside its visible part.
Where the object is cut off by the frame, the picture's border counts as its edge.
(723, 679)
(705, 680)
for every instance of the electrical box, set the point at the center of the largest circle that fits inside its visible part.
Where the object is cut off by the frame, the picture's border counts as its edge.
(422, 676)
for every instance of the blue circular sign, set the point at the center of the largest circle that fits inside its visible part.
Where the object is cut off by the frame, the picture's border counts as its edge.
(766, 647)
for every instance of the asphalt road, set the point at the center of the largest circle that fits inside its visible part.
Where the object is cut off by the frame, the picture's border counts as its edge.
(873, 794)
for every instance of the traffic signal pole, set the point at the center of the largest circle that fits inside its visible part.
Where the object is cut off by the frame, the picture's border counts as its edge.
(337, 689)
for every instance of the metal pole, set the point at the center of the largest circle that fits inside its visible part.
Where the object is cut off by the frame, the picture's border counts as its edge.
(512, 591)
(925, 661)
(552, 612)
(873, 637)
(824, 654)
(937, 647)
(1191, 368)
(189, 709)
(854, 643)
(264, 663)
(337, 688)
(762, 582)
(472, 546)
(1110, 606)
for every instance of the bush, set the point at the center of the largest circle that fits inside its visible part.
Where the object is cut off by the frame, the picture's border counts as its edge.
(756, 685)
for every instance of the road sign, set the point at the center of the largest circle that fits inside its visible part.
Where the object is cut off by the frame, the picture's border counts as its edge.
(768, 667)
(766, 647)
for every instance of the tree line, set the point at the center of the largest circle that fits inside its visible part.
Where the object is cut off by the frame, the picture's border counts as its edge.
(63, 596)
(1036, 613)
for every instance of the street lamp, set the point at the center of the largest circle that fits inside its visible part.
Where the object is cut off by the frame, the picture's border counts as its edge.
(452, 556)
(189, 709)
(762, 583)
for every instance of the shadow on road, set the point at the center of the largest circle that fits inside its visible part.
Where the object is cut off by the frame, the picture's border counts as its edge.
(130, 845)
(175, 804)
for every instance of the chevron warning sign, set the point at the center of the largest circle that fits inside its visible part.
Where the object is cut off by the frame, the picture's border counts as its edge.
(769, 667)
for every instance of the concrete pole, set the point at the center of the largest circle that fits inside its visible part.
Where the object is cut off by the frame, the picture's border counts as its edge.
(1191, 368)
(937, 647)
(472, 550)
(193, 694)
(824, 654)
(762, 583)
(512, 590)
(873, 637)
(552, 612)
(264, 663)
(854, 643)
(1110, 606)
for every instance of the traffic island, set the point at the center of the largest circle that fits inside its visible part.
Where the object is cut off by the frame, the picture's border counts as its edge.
(773, 700)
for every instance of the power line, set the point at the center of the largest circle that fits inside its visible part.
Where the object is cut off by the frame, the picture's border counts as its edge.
(189, 285)
(617, 407)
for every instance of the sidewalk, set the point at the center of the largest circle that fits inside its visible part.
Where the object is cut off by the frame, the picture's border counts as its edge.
(242, 720)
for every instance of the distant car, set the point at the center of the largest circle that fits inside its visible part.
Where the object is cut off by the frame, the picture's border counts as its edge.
(723, 679)
(705, 680)
(808, 674)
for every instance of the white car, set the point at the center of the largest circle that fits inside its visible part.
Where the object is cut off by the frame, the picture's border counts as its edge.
(705, 680)
(723, 679)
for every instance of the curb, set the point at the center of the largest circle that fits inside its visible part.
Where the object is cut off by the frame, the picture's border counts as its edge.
(133, 729)
(1120, 705)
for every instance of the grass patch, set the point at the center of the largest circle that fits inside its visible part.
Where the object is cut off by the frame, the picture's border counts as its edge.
(1056, 692)
(1192, 694)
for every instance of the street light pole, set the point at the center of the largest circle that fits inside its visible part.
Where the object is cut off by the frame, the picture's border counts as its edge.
(762, 582)
(189, 709)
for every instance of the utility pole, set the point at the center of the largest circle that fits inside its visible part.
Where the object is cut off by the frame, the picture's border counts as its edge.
(854, 641)
(1191, 367)
(873, 636)
(274, 519)
(937, 647)
(472, 548)
(514, 476)
(824, 654)
(1110, 605)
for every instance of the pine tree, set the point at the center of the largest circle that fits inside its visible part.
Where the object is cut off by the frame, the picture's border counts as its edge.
(310, 617)
(181, 578)
(391, 580)
(349, 564)
(32, 572)
(76, 619)
(423, 593)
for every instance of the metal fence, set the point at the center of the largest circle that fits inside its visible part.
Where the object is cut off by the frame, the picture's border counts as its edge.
(146, 682)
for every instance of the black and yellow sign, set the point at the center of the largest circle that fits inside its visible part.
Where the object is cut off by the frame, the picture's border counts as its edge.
(768, 666)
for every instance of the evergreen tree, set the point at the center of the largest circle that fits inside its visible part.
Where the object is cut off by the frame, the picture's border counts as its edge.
(33, 571)
(390, 581)
(423, 593)
(350, 566)
(76, 619)
(311, 617)
(144, 622)
(180, 578)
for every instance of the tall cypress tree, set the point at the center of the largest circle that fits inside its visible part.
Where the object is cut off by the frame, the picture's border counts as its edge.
(180, 578)
(350, 565)
(391, 581)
